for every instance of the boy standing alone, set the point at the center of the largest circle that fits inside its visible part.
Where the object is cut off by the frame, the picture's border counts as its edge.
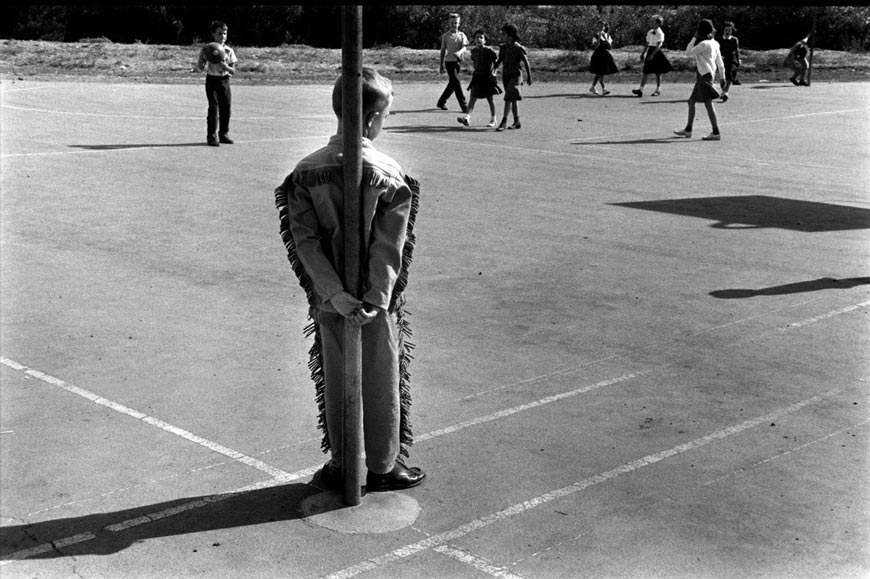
(311, 207)
(453, 43)
(217, 86)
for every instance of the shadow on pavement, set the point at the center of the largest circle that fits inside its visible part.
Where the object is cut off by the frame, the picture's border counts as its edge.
(139, 146)
(107, 533)
(761, 211)
(823, 283)
(651, 141)
(426, 128)
(671, 102)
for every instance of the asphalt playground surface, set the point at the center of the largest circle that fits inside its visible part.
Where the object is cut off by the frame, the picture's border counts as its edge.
(637, 356)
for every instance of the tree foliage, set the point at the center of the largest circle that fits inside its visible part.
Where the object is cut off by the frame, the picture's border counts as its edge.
(761, 27)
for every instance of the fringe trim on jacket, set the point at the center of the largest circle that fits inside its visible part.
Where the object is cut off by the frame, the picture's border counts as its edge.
(315, 358)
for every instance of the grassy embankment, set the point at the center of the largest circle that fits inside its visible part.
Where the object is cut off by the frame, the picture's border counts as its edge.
(108, 62)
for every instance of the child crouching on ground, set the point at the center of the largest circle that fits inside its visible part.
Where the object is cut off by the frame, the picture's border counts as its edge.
(483, 81)
(311, 207)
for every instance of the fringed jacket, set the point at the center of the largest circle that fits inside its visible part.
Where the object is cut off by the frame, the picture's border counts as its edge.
(312, 224)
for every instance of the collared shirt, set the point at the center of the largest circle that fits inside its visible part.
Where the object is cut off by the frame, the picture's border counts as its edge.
(315, 202)
(483, 58)
(511, 55)
(655, 37)
(730, 48)
(707, 56)
(453, 43)
(215, 69)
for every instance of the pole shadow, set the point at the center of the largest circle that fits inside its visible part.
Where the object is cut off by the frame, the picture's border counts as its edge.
(109, 533)
(762, 211)
(138, 146)
(823, 283)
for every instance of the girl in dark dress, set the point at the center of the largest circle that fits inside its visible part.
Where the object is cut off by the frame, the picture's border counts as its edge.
(601, 63)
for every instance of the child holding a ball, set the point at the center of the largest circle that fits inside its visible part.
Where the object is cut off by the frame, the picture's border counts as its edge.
(218, 60)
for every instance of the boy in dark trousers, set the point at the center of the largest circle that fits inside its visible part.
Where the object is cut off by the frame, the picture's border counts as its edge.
(311, 208)
(217, 86)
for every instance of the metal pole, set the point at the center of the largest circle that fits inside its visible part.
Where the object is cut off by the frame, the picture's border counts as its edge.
(812, 42)
(352, 123)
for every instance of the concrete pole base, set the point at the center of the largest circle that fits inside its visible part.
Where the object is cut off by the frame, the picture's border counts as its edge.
(376, 513)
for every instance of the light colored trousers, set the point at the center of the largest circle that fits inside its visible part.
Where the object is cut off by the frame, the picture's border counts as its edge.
(380, 386)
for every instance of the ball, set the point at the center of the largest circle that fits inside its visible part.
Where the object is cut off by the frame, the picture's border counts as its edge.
(215, 53)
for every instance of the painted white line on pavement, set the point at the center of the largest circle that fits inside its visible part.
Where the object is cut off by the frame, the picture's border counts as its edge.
(475, 562)
(150, 517)
(824, 316)
(519, 508)
(786, 453)
(97, 399)
(522, 407)
(289, 477)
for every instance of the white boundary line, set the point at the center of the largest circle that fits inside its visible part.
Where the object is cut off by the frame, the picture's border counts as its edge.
(290, 477)
(180, 432)
(824, 316)
(519, 508)
(475, 562)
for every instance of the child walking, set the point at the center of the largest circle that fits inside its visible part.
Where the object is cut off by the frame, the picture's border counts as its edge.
(797, 61)
(310, 203)
(512, 54)
(730, 47)
(217, 86)
(601, 63)
(654, 60)
(453, 43)
(483, 81)
(708, 59)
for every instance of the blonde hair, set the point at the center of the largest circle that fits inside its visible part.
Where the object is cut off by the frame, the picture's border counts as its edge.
(376, 92)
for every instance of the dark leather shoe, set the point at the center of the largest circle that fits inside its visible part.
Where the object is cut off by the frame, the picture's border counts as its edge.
(213, 142)
(226, 140)
(328, 477)
(401, 477)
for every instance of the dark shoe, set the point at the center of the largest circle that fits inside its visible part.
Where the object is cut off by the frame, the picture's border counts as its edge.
(502, 125)
(735, 82)
(401, 477)
(212, 142)
(462, 120)
(441, 106)
(637, 92)
(328, 477)
(226, 139)
(794, 81)
(724, 97)
(804, 83)
(516, 125)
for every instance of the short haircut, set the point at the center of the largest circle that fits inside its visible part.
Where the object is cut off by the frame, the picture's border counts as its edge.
(727, 24)
(454, 15)
(658, 19)
(705, 27)
(217, 25)
(376, 92)
(604, 25)
(480, 32)
(511, 31)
